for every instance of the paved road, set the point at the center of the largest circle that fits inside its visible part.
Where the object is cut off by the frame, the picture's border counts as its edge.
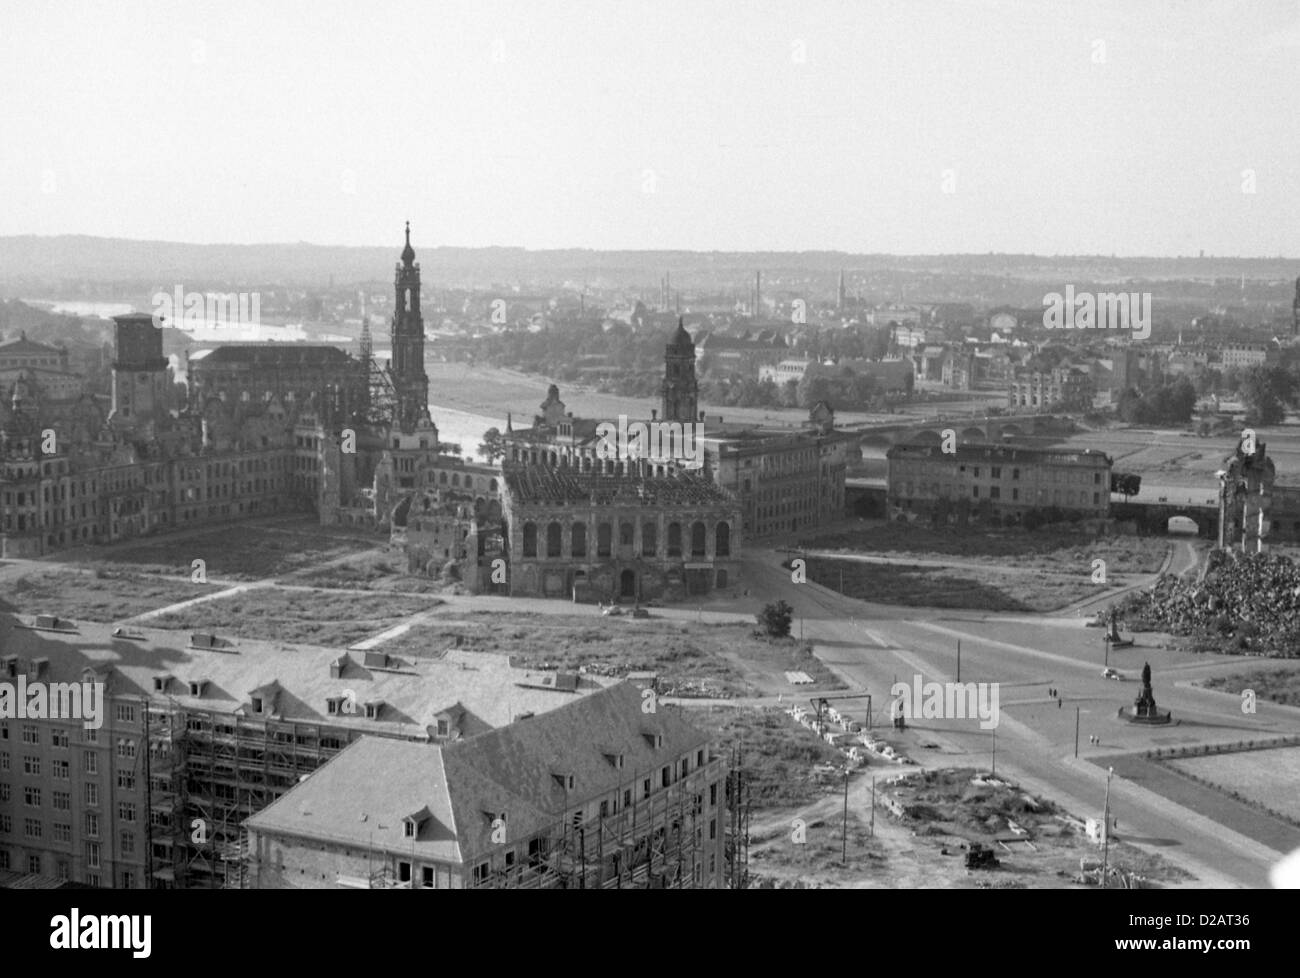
(874, 645)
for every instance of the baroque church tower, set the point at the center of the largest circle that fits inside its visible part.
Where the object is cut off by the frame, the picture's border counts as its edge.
(680, 391)
(410, 382)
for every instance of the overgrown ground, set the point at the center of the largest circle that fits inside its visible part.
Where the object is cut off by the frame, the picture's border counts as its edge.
(246, 552)
(330, 618)
(1277, 685)
(1264, 777)
(778, 753)
(103, 595)
(371, 570)
(692, 659)
(1002, 570)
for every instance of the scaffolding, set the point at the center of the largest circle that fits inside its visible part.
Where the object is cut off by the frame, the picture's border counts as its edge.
(654, 841)
(209, 772)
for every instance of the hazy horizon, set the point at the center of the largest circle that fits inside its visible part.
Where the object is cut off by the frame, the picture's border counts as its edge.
(886, 127)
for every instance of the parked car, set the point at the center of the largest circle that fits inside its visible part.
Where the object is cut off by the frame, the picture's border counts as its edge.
(1109, 673)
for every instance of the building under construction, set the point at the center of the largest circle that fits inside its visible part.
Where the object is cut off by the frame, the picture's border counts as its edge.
(596, 794)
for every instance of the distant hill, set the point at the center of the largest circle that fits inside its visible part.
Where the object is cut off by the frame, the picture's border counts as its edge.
(33, 263)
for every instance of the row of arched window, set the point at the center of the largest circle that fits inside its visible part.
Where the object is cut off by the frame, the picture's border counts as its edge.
(579, 545)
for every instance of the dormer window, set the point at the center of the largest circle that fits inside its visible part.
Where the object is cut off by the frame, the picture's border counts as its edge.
(653, 738)
(334, 704)
(196, 687)
(257, 704)
(374, 709)
(563, 779)
(408, 829)
(160, 683)
(444, 728)
(615, 759)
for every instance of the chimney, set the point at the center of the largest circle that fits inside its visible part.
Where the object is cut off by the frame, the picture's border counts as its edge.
(654, 414)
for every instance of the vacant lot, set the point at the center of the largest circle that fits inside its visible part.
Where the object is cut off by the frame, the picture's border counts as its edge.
(692, 659)
(314, 617)
(1265, 777)
(103, 595)
(241, 552)
(373, 570)
(1278, 685)
(778, 754)
(1050, 550)
(992, 571)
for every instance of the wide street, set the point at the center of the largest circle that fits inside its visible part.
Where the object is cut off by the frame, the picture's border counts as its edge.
(873, 646)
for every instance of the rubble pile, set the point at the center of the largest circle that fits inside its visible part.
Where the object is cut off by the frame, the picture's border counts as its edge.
(1245, 603)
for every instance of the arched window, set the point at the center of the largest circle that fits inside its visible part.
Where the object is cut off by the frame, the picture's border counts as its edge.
(648, 539)
(553, 536)
(722, 540)
(603, 535)
(492, 485)
(579, 546)
(674, 539)
(698, 538)
(530, 540)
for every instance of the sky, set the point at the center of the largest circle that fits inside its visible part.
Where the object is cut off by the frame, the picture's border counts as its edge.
(1134, 127)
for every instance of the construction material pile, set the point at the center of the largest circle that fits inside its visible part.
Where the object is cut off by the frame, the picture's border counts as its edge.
(1245, 603)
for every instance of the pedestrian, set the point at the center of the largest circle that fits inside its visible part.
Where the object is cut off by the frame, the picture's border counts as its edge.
(1058, 703)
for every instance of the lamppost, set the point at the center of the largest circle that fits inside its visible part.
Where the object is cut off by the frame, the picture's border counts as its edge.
(1105, 833)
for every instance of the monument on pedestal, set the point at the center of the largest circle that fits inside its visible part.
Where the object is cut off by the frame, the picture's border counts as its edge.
(1144, 707)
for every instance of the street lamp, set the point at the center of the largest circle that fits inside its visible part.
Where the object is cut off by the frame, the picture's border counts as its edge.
(1105, 830)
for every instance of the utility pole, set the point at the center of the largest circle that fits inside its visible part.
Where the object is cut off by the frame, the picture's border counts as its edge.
(844, 833)
(958, 660)
(1105, 837)
(873, 807)
(995, 750)
(841, 580)
(1076, 731)
(1106, 639)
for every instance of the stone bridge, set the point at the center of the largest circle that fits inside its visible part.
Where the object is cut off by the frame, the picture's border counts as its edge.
(968, 429)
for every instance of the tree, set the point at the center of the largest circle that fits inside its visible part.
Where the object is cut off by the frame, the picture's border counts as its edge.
(493, 446)
(1125, 483)
(775, 619)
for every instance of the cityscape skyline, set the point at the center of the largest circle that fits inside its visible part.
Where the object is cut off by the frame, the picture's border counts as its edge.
(1046, 131)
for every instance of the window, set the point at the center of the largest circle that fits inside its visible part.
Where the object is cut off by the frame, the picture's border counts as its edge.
(674, 539)
(530, 539)
(62, 832)
(92, 794)
(578, 545)
(975, 492)
(34, 864)
(32, 797)
(4, 858)
(625, 534)
(648, 539)
(31, 765)
(426, 877)
(127, 843)
(126, 748)
(604, 538)
(408, 829)
(59, 738)
(128, 880)
(32, 828)
(92, 825)
(31, 734)
(4, 791)
(443, 728)
(62, 769)
(4, 761)
(62, 801)
(481, 872)
(713, 794)
(92, 860)
(713, 828)
(6, 824)
(125, 713)
(1015, 473)
(90, 762)
(125, 811)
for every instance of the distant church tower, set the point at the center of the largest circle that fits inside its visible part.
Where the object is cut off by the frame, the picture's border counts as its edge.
(1295, 310)
(140, 382)
(680, 392)
(410, 382)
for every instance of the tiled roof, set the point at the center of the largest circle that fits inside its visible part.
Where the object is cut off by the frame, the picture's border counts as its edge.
(363, 794)
(415, 691)
(278, 354)
(544, 484)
